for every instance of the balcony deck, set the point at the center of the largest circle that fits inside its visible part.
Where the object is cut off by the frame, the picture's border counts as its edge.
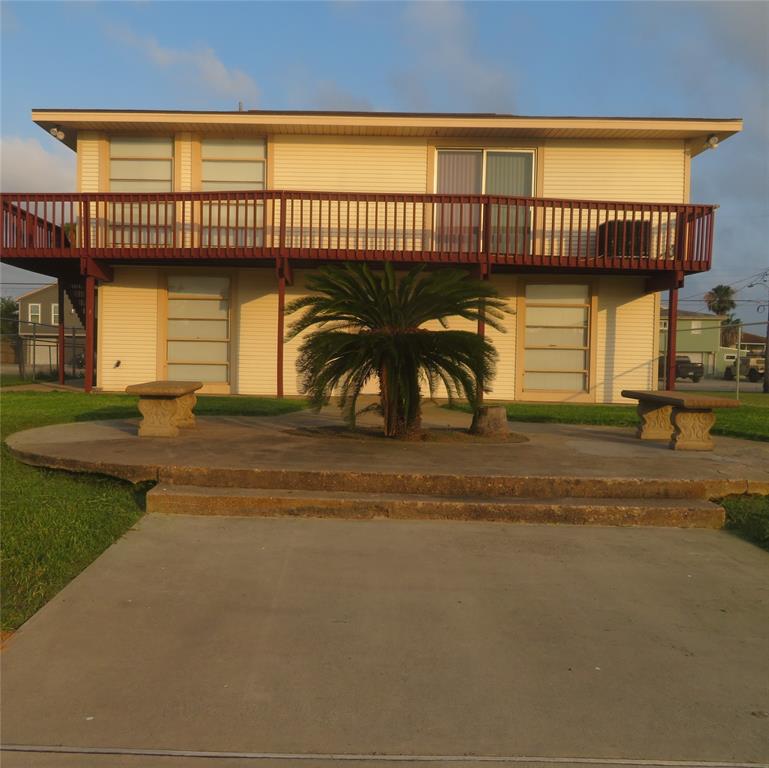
(519, 232)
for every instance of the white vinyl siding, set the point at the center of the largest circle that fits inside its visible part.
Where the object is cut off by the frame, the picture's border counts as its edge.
(88, 162)
(184, 161)
(255, 361)
(625, 342)
(349, 164)
(128, 328)
(640, 171)
(291, 378)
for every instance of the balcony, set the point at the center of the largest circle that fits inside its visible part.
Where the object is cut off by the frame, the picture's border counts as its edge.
(525, 232)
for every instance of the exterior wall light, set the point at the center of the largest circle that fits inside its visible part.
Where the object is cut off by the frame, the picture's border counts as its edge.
(57, 133)
(711, 142)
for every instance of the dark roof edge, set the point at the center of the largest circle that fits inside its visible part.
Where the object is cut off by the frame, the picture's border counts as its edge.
(373, 113)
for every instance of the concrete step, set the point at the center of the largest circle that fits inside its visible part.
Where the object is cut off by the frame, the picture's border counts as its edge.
(457, 485)
(266, 502)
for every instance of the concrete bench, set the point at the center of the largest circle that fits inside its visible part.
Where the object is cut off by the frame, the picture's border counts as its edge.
(165, 406)
(684, 418)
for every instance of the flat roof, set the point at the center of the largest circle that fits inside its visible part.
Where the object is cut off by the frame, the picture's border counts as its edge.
(415, 124)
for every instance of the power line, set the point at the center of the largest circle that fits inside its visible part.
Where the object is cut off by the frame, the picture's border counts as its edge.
(701, 297)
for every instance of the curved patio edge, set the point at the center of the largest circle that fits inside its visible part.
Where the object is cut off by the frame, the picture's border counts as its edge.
(267, 453)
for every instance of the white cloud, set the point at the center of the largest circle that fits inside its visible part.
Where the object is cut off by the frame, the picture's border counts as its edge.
(27, 166)
(199, 66)
(450, 61)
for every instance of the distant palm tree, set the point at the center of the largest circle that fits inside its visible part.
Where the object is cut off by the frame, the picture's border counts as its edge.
(371, 325)
(720, 300)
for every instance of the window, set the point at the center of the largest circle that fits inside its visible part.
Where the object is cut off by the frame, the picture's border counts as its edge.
(198, 328)
(696, 327)
(556, 338)
(503, 172)
(34, 313)
(141, 164)
(664, 324)
(54, 314)
(233, 165)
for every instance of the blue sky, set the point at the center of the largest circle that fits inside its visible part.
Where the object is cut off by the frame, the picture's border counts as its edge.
(657, 59)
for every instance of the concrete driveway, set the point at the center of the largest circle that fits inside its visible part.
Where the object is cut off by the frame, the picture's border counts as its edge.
(279, 642)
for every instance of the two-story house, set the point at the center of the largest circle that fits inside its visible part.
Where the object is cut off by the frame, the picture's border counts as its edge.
(190, 232)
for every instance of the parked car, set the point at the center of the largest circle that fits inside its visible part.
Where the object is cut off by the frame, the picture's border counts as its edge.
(685, 368)
(751, 368)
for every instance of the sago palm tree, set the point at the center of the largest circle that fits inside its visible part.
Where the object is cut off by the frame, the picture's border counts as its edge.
(370, 325)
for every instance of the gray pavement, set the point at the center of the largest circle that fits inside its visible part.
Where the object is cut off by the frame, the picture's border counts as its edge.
(377, 638)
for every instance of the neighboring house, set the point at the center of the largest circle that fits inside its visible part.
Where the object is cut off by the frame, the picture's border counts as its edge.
(752, 360)
(753, 344)
(192, 230)
(698, 337)
(39, 321)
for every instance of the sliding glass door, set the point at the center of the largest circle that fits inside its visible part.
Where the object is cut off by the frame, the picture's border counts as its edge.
(502, 172)
(509, 174)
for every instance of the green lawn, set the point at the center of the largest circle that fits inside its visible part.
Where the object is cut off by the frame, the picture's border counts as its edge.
(54, 523)
(750, 421)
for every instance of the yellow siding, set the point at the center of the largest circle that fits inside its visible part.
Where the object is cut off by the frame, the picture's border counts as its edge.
(128, 328)
(625, 338)
(88, 162)
(640, 171)
(350, 164)
(503, 386)
(184, 160)
(254, 350)
(291, 379)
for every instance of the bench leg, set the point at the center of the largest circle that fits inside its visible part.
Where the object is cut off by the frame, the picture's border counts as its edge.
(184, 405)
(655, 421)
(692, 429)
(159, 417)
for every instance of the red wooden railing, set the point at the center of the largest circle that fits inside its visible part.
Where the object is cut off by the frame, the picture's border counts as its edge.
(526, 231)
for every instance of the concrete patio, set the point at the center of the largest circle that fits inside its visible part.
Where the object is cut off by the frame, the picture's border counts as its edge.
(303, 464)
(299, 442)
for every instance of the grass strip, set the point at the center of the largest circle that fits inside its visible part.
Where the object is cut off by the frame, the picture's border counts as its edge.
(54, 524)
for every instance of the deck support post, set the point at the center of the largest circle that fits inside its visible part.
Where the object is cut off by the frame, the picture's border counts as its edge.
(670, 366)
(90, 336)
(281, 324)
(282, 267)
(61, 361)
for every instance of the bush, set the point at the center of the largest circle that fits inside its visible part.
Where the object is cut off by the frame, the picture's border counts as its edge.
(749, 516)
